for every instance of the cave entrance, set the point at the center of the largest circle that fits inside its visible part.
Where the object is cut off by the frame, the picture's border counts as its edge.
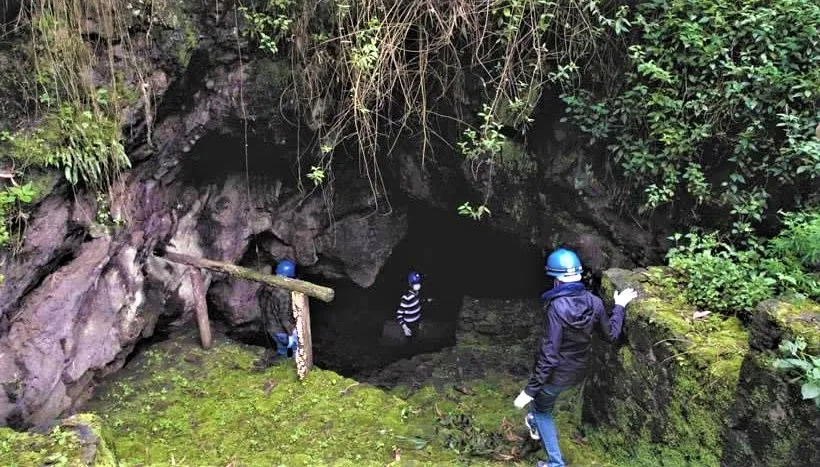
(456, 257)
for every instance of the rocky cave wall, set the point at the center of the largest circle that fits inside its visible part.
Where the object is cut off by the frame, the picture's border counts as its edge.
(701, 391)
(78, 296)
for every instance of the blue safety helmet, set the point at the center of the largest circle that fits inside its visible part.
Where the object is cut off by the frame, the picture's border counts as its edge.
(286, 268)
(414, 278)
(563, 262)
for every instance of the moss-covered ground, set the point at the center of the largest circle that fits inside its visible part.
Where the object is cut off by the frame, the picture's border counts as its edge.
(663, 396)
(177, 404)
(795, 318)
(72, 443)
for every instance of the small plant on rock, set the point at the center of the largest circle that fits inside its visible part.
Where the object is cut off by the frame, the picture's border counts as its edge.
(809, 365)
(11, 201)
(475, 213)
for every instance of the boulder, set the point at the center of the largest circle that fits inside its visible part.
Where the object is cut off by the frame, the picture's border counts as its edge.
(80, 322)
(76, 441)
(679, 390)
(770, 424)
(662, 395)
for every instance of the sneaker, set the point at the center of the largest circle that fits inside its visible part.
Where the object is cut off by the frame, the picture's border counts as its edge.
(529, 420)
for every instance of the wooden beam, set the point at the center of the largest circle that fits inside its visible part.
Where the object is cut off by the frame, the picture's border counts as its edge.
(304, 353)
(310, 289)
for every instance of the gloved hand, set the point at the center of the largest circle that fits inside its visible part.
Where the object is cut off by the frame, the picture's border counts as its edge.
(522, 400)
(407, 331)
(625, 296)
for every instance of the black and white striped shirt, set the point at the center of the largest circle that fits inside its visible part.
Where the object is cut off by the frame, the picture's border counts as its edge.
(410, 308)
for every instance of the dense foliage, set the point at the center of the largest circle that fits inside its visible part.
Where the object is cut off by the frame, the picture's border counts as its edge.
(721, 277)
(717, 106)
(74, 119)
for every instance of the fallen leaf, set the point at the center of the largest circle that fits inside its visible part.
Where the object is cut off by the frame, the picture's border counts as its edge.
(269, 385)
(578, 439)
(507, 430)
(464, 390)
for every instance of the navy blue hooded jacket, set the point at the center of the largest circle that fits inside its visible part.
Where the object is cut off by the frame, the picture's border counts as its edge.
(572, 312)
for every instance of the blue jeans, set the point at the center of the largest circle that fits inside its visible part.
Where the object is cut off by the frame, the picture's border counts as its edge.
(542, 412)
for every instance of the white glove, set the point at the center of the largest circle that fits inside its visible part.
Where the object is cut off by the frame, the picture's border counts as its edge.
(625, 296)
(522, 400)
(407, 331)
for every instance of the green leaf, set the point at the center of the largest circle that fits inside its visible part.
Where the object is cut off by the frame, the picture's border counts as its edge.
(810, 390)
(783, 365)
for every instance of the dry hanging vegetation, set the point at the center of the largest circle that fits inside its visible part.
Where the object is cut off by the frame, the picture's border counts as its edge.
(368, 71)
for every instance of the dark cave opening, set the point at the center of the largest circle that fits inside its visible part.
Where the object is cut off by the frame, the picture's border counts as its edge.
(216, 156)
(456, 257)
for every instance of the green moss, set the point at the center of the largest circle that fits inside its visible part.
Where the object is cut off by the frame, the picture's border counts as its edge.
(200, 408)
(677, 378)
(190, 40)
(675, 384)
(715, 343)
(177, 403)
(173, 24)
(60, 447)
(625, 355)
(126, 95)
(797, 318)
(515, 158)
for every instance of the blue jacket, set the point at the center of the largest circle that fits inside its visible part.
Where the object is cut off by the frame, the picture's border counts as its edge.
(572, 312)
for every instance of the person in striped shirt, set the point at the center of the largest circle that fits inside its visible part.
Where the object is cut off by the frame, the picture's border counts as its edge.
(409, 312)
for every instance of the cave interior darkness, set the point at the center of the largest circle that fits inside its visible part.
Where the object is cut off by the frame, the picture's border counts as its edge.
(456, 257)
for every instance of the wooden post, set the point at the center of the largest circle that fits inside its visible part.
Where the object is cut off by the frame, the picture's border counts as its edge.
(300, 290)
(201, 309)
(301, 313)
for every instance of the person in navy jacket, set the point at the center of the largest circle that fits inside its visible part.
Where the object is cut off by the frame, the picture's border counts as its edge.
(572, 313)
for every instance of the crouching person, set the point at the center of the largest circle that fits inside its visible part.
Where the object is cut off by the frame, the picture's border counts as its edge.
(277, 314)
(572, 313)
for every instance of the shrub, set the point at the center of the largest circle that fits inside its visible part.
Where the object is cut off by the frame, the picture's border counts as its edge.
(718, 276)
(717, 105)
